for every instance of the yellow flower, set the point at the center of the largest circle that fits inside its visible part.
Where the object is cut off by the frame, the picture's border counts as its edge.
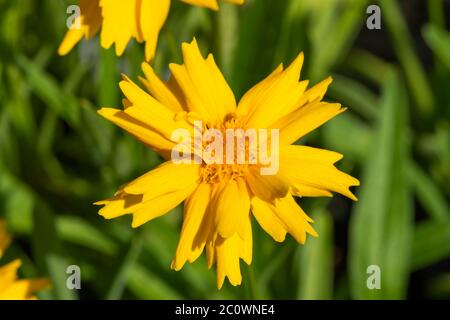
(219, 198)
(121, 21)
(10, 287)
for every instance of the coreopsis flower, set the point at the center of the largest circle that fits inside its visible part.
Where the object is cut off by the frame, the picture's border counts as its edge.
(221, 197)
(12, 288)
(121, 21)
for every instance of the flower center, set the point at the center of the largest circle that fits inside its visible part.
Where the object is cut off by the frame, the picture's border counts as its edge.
(226, 150)
(215, 173)
(232, 150)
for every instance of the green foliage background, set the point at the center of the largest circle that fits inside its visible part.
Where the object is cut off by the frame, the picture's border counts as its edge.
(57, 156)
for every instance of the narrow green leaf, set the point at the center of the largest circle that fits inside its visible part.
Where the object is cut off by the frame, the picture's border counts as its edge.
(47, 252)
(428, 193)
(79, 231)
(439, 41)
(354, 95)
(368, 65)
(146, 285)
(381, 222)
(47, 89)
(414, 71)
(330, 47)
(316, 262)
(121, 275)
(108, 92)
(227, 28)
(348, 135)
(431, 243)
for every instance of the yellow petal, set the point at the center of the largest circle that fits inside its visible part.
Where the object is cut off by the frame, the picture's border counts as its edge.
(153, 194)
(15, 291)
(210, 254)
(160, 90)
(145, 118)
(267, 188)
(153, 14)
(166, 178)
(265, 214)
(316, 92)
(207, 233)
(246, 241)
(194, 213)
(210, 4)
(119, 23)
(206, 91)
(236, 1)
(90, 21)
(23, 289)
(159, 206)
(302, 190)
(278, 97)
(227, 260)
(231, 207)
(294, 218)
(148, 110)
(305, 119)
(35, 285)
(8, 273)
(142, 211)
(255, 94)
(139, 130)
(311, 167)
(119, 205)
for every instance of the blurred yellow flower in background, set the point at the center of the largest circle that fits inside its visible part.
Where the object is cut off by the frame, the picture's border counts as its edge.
(12, 288)
(219, 197)
(121, 21)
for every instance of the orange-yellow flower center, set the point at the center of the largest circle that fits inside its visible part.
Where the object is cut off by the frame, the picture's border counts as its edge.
(235, 153)
(215, 173)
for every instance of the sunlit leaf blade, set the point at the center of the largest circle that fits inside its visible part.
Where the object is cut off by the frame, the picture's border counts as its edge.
(428, 194)
(381, 223)
(431, 243)
(439, 41)
(412, 67)
(317, 262)
(48, 252)
(130, 255)
(146, 285)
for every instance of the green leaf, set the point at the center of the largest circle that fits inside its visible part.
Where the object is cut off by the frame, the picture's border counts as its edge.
(47, 89)
(403, 46)
(439, 41)
(431, 243)
(316, 261)
(368, 65)
(122, 272)
(227, 28)
(381, 222)
(47, 251)
(355, 96)
(77, 230)
(108, 86)
(428, 193)
(348, 135)
(329, 48)
(146, 285)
